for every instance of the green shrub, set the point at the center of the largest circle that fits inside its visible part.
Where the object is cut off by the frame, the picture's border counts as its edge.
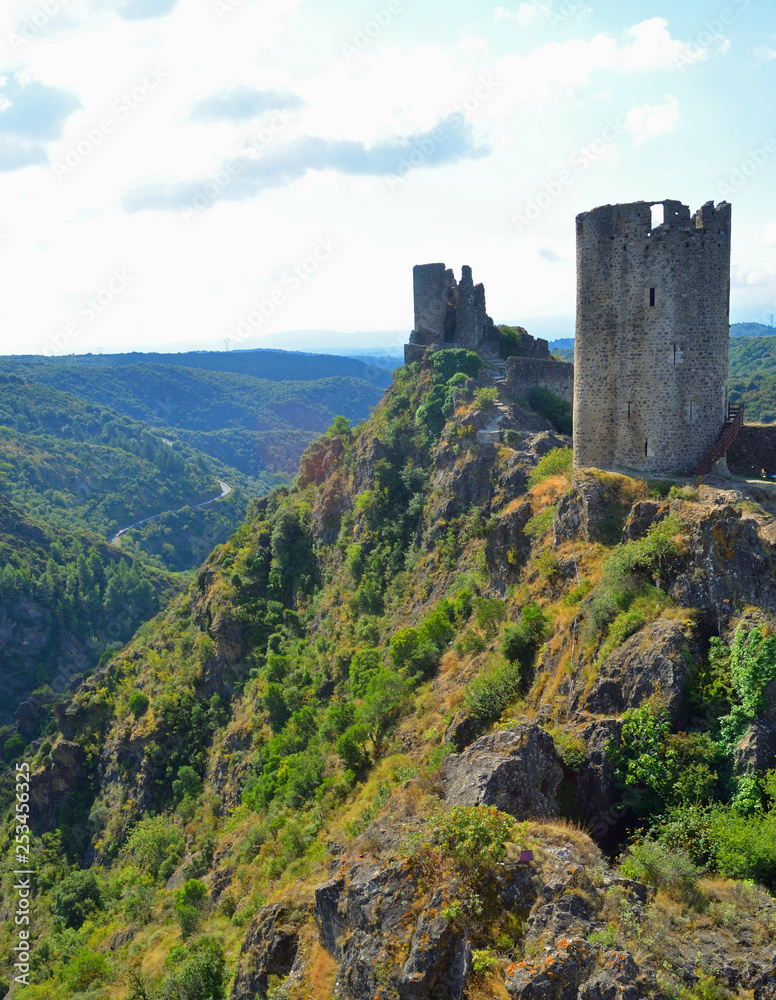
(363, 666)
(494, 690)
(520, 640)
(746, 846)
(671, 871)
(540, 523)
(552, 407)
(485, 397)
(85, 970)
(449, 361)
(76, 897)
(752, 667)
(138, 703)
(351, 747)
(510, 340)
(188, 783)
(156, 846)
(556, 461)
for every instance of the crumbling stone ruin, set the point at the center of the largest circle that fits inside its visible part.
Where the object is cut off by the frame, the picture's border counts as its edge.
(651, 347)
(449, 314)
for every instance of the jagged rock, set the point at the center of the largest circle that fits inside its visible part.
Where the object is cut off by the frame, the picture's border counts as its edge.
(545, 441)
(756, 750)
(270, 948)
(462, 481)
(439, 960)
(369, 453)
(557, 977)
(363, 913)
(330, 503)
(569, 972)
(51, 784)
(643, 514)
(655, 661)
(597, 795)
(515, 770)
(728, 564)
(569, 915)
(507, 548)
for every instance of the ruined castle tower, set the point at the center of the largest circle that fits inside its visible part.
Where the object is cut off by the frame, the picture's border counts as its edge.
(651, 347)
(447, 313)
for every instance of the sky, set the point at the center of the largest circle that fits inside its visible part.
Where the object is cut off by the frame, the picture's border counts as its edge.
(223, 174)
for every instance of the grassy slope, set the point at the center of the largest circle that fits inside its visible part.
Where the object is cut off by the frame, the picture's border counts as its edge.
(279, 679)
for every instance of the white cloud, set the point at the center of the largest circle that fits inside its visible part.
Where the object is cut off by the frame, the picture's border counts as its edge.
(564, 69)
(764, 53)
(531, 10)
(525, 13)
(769, 234)
(650, 120)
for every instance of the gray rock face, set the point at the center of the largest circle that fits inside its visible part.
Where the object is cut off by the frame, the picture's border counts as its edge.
(756, 750)
(507, 548)
(270, 948)
(656, 660)
(50, 785)
(597, 794)
(363, 913)
(515, 770)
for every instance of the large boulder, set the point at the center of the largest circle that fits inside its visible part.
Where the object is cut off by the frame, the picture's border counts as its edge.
(270, 948)
(515, 770)
(756, 750)
(657, 660)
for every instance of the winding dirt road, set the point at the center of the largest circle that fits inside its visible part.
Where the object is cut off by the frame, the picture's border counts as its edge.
(225, 491)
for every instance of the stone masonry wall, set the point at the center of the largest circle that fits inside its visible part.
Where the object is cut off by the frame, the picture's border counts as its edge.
(525, 373)
(753, 451)
(651, 348)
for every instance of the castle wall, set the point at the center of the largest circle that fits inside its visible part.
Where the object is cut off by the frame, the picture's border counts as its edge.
(651, 347)
(753, 451)
(447, 314)
(526, 373)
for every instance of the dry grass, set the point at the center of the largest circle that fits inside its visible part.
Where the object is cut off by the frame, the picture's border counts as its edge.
(323, 973)
(562, 832)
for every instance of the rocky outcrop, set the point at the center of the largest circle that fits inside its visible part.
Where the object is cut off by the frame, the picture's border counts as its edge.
(515, 770)
(507, 548)
(656, 661)
(730, 562)
(269, 949)
(756, 750)
(53, 783)
(368, 920)
(597, 797)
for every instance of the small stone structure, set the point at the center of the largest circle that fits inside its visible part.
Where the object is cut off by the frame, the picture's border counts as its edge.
(452, 314)
(651, 347)
(527, 373)
(448, 314)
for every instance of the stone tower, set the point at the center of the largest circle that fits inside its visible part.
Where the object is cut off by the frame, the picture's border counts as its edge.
(651, 347)
(447, 313)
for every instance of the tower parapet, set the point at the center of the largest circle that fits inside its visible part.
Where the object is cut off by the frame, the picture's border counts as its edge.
(651, 346)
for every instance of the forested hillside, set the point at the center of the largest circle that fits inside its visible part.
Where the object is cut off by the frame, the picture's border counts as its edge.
(753, 377)
(255, 425)
(317, 773)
